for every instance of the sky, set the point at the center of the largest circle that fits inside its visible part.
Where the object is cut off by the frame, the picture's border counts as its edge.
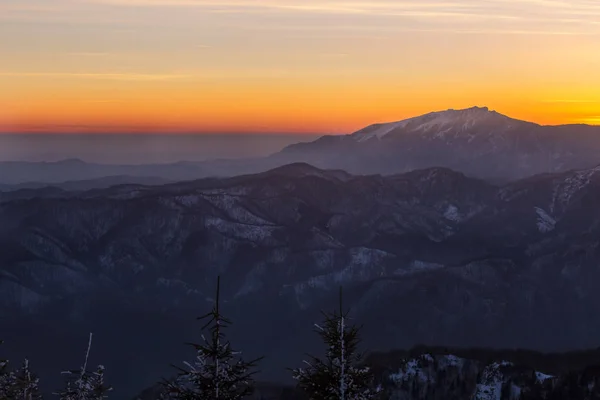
(318, 66)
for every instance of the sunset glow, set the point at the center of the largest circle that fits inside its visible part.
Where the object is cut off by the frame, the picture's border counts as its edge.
(291, 65)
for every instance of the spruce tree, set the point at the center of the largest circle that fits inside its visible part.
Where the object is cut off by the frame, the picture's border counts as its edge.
(26, 384)
(19, 384)
(3, 363)
(4, 376)
(218, 373)
(7, 385)
(340, 375)
(7, 380)
(83, 384)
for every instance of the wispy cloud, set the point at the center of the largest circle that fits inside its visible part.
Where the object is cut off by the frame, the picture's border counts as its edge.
(581, 12)
(417, 29)
(371, 7)
(567, 17)
(89, 54)
(105, 101)
(99, 76)
(196, 74)
(334, 55)
(571, 101)
(25, 6)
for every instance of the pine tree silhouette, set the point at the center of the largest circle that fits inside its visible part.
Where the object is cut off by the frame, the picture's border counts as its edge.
(20, 384)
(3, 377)
(218, 373)
(7, 380)
(339, 376)
(26, 384)
(3, 363)
(85, 385)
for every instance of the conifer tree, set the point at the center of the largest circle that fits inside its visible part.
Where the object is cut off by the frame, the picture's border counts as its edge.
(339, 375)
(83, 384)
(26, 384)
(20, 384)
(3, 363)
(6, 379)
(218, 373)
(3, 374)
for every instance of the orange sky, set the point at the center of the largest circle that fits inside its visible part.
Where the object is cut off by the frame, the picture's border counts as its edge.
(291, 65)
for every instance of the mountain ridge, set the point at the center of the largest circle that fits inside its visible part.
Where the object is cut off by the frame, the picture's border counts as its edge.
(474, 112)
(468, 263)
(467, 116)
(476, 141)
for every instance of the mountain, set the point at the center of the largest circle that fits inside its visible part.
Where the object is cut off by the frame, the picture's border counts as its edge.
(476, 141)
(78, 173)
(430, 256)
(98, 183)
(24, 173)
(485, 375)
(434, 373)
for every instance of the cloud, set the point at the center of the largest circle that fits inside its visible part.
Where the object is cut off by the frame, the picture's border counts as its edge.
(571, 101)
(99, 76)
(370, 7)
(568, 17)
(31, 7)
(201, 74)
(507, 12)
(89, 54)
(335, 55)
(416, 29)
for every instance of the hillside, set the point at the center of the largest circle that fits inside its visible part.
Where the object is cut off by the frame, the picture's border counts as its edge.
(430, 256)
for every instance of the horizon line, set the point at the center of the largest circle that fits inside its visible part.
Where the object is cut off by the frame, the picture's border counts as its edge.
(79, 129)
(173, 133)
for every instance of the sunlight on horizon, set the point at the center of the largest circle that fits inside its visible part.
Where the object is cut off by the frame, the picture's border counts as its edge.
(290, 65)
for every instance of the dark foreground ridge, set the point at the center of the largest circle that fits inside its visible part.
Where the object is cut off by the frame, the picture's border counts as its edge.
(458, 373)
(430, 256)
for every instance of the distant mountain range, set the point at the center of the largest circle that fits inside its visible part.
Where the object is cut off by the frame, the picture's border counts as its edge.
(87, 184)
(476, 141)
(430, 256)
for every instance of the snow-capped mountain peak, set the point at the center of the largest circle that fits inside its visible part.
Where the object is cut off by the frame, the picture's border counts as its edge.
(476, 141)
(439, 121)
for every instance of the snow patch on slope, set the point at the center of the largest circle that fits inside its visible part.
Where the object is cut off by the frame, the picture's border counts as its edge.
(468, 118)
(414, 368)
(490, 386)
(417, 266)
(425, 369)
(452, 213)
(452, 361)
(541, 377)
(445, 121)
(255, 233)
(380, 132)
(564, 191)
(364, 264)
(545, 222)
